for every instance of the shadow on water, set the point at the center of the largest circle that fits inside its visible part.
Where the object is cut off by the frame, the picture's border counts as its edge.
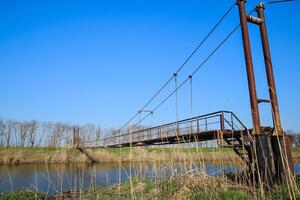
(60, 177)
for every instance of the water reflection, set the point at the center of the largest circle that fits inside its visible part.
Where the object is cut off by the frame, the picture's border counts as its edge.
(61, 177)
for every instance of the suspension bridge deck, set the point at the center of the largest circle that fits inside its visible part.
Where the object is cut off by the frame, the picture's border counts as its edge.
(221, 126)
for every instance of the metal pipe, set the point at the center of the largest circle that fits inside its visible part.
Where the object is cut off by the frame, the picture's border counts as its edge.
(249, 68)
(263, 101)
(269, 70)
(260, 150)
(254, 20)
(281, 143)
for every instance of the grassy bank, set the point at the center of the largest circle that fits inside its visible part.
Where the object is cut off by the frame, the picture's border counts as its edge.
(187, 186)
(40, 155)
(35, 155)
(192, 183)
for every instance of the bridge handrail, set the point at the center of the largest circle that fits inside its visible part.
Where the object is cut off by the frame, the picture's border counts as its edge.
(201, 117)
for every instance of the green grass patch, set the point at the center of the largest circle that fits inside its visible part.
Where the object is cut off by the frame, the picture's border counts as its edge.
(143, 188)
(296, 149)
(22, 195)
(222, 195)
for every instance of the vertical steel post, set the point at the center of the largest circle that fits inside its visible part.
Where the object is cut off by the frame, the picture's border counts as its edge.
(281, 143)
(222, 125)
(249, 67)
(269, 69)
(231, 119)
(261, 152)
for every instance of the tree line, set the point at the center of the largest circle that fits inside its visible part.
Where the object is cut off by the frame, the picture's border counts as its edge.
(44, 134)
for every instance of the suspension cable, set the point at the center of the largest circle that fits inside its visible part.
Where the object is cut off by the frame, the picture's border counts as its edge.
(280, 1)
(139, 120)
(176, 99)
(152, 98)
(176, 96)
(185, 81)
(207, 36)
(184, 63)
(212, 53)
(191, 94)
(191, 100)
(194, 72)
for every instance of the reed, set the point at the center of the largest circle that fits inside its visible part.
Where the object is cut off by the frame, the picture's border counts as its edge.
(173, 173)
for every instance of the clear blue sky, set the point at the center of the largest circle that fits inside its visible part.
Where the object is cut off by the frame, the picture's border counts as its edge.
(100, 61)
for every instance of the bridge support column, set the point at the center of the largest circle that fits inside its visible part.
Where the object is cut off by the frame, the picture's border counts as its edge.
(262, 160)
(281, 143)
(261, 154)
(284, 165)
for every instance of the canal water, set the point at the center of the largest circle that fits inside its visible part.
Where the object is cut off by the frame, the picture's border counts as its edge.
(60, 177)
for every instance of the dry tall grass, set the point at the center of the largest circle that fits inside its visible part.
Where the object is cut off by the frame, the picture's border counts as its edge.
(175, 173)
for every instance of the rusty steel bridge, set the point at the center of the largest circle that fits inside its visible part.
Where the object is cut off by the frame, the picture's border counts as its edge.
(217, 125)
(252, 145)
(223, 126)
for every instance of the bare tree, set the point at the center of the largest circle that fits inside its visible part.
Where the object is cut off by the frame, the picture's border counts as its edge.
(2, 130)
(98, 133)
(87, 132)
(40, 135)
(56, 134)
(48, 134)
(22, 133)
(6, 129)
(9, 132)
(296, 137)
(31, 132)
(15, 132)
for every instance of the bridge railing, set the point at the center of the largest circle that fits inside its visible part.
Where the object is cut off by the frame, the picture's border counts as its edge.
(222, 120)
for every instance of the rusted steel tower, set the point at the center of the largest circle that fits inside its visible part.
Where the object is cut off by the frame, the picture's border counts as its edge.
(279, 140)
(281, 143)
